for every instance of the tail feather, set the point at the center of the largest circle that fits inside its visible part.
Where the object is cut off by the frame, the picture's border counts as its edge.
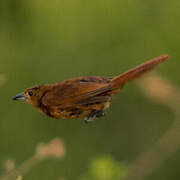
(120, 80)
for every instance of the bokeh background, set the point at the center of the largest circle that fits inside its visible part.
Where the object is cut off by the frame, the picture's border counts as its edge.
(48, 41)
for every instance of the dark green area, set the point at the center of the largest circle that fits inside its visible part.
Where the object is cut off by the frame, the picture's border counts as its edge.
(48, 41)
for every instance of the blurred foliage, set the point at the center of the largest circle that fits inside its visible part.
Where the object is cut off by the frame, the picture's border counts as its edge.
(53, 149)
(45, 42)
(105, 168)
(19, 178)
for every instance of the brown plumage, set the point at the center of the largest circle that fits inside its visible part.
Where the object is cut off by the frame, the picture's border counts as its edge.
(82, 97)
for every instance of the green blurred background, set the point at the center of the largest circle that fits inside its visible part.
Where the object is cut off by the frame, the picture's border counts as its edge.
(48, 41)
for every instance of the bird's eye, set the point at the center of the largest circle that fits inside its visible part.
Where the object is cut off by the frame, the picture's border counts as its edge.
(30, 93)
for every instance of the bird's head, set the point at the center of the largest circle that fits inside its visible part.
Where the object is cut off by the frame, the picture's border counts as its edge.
(32, 95)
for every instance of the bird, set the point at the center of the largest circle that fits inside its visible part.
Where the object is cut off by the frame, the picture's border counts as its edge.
(85, 97)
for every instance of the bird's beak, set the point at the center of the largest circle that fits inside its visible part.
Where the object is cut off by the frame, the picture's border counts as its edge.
(20, 97)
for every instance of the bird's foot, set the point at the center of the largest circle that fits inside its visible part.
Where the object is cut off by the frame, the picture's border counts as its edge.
(94, 116)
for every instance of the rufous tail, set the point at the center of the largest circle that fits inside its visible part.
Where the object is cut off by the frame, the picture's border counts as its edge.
(120, 80)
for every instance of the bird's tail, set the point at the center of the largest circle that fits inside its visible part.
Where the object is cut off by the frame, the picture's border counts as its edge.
(120, 80)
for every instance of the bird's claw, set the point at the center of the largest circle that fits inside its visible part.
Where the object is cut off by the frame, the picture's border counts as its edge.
(94, 116)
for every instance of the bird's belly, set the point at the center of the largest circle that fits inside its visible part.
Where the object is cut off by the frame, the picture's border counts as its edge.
(81, 111)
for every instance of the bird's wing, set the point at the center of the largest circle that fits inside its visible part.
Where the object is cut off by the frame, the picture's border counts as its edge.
(74, 92)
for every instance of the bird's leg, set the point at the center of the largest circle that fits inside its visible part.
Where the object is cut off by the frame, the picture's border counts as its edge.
(93, 116)
(99, 114)
(89, 119)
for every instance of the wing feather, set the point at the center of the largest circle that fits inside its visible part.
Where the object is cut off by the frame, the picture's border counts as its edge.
(73, 93)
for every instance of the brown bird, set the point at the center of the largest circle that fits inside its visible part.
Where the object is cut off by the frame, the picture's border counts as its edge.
(82, 97)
